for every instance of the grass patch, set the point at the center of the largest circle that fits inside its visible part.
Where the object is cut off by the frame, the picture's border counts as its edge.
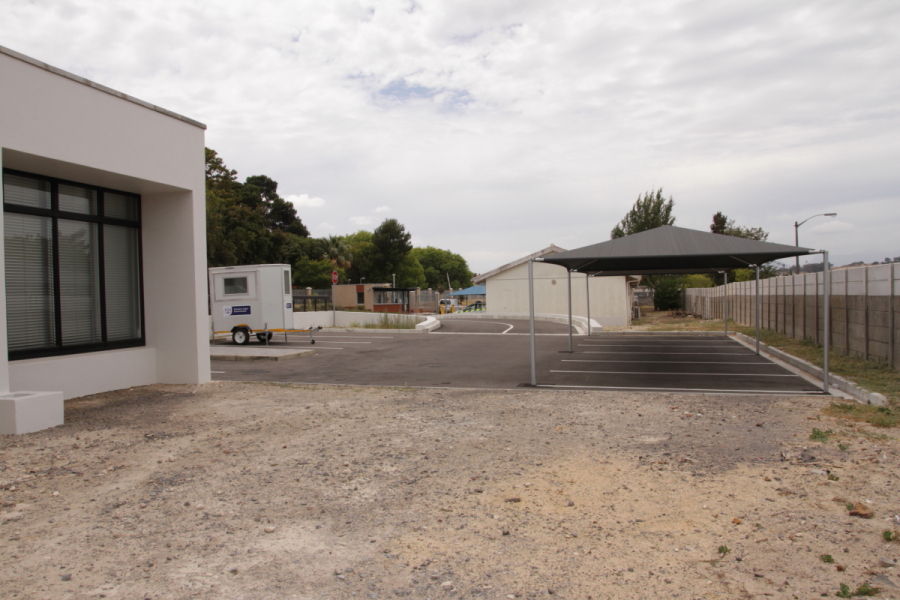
(861, 590)
(387, 321)
(879, 416)
(818, 435)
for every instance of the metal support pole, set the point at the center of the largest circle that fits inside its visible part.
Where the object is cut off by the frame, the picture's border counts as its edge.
(826, 271)
(531, 319)
(757, 309)
(569, 274)
(726, 302)
(587, 287)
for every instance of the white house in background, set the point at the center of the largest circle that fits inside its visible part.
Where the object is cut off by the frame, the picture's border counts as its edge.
(507, 291)
(103, 282)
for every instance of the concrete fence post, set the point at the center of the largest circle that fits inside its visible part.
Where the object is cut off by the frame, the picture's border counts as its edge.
(866, 312)
(803, 311)
(846, 312)
(891, 333)
(816, 312)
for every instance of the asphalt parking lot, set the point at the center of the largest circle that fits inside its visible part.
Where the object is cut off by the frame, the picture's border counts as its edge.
(658, 362)
(466, 355)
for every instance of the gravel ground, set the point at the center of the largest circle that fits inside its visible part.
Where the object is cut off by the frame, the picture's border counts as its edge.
(256, 491)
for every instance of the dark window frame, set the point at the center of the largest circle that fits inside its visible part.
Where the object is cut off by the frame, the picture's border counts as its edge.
(55, 215)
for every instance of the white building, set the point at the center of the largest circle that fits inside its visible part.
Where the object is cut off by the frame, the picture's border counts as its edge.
(507, 291)
(104, 254)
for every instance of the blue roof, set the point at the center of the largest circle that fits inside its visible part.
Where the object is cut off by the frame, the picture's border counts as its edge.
(475, 290)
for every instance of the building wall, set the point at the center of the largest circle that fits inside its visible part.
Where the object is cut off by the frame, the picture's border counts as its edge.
(507, 292)
(345, 294)
(55, 125)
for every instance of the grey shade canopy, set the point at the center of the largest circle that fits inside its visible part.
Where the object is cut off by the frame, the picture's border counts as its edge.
(670, 249)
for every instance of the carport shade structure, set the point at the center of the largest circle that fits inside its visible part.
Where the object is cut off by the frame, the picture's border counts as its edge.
(675, 250)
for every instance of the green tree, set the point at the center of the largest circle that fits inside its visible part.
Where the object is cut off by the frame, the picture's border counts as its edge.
(391, 246)
(410, 273)
(667, 292)
(722, 225)
(335, 250)
(308, 272)
(363, 251)
(698, 280)
(649, 212)
(437, 264)
(248, 223)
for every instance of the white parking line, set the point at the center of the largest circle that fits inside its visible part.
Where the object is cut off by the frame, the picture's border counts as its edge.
(652, 346)
(748, 353)
(669, 389)
(691, 374)
(355, 337)
(673, 362)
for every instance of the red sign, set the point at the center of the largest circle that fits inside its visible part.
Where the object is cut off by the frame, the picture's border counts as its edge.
(334, 278)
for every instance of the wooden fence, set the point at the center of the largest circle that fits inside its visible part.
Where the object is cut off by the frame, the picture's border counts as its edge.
(865, 302)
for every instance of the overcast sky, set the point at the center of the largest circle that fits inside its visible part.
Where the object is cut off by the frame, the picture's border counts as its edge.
(494, 128)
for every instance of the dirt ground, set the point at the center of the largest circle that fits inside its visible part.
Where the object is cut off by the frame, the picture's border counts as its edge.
(257, 491)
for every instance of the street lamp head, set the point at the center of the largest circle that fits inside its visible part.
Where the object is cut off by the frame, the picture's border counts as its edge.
(830, 214)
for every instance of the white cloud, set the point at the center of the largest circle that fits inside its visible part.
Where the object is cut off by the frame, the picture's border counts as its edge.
(305, 201)
(382, 209)
(495, 128)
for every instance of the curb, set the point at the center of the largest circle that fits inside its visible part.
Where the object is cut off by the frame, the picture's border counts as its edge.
(862, 395)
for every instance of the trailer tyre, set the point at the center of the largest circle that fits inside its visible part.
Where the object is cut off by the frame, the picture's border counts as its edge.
(240, 336)
(264, 337)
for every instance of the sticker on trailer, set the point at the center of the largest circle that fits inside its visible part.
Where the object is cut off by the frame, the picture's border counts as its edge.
(288, 305)
(234, 311)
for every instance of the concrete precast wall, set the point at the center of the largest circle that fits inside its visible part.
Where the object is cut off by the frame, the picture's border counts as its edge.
(327, 318)
(865, 308)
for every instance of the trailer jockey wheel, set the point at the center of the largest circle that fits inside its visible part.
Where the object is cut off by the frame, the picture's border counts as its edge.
(262, 337)
(240, 336)
(312, 341)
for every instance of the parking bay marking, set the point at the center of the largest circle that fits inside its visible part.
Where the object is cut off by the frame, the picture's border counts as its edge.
(747, 353)
(691, 374)
(673, 362)
(670, 389)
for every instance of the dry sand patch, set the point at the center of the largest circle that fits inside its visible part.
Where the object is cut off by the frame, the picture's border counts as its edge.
(278, 491)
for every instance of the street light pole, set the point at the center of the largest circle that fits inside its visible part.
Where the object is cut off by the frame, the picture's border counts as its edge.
(796, 235)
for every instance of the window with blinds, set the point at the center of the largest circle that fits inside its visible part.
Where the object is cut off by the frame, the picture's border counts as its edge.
(73, 267)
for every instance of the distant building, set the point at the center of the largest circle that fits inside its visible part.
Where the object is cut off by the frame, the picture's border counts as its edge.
(612, 298)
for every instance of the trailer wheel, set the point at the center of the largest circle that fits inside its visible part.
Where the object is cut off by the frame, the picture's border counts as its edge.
(240, 336)
(262, 337)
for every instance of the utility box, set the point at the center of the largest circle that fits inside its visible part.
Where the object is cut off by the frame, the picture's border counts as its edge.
(251, 299)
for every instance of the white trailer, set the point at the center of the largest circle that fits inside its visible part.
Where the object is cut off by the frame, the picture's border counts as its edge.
(252, 299)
